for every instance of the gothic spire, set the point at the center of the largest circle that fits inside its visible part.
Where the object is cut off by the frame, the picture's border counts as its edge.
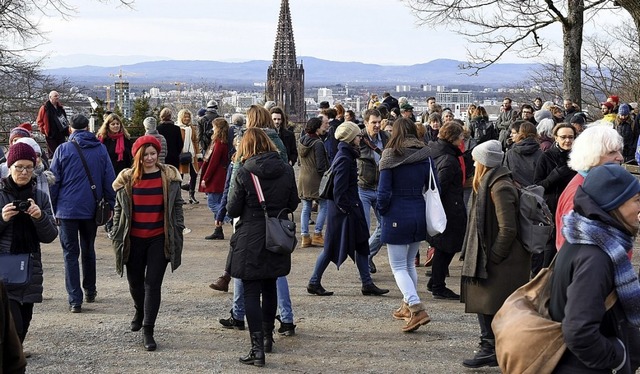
(284, 52)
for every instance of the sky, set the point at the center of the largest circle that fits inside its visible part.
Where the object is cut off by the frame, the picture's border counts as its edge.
(371, 31)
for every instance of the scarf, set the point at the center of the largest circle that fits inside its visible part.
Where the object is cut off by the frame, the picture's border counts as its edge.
(24, 237)
(187, 144)
(119, 139)
(581, 230)
(413, 151)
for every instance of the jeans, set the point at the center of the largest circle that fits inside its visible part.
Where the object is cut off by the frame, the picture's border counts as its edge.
(72, 248)
(258, 314)
(305, 216)
(362, 262)
(401, 260)
(213, 202)
(369, 200)
(145, 271)
(284, 300)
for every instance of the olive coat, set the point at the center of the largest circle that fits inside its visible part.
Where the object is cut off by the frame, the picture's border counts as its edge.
(493, 230)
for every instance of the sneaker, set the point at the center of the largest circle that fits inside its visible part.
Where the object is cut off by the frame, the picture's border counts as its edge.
(90, 298)
(75, 308)
(287, 329)
(445, 294)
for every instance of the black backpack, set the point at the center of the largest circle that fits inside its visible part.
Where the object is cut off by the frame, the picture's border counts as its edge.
(483, 131)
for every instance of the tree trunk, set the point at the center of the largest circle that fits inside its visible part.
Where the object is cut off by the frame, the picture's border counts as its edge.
(572, 58)
(633, 7)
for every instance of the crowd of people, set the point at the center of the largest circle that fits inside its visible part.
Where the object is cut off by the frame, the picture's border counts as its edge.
(379, 170)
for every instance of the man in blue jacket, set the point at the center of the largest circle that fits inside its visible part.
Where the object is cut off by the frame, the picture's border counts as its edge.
(74, 206)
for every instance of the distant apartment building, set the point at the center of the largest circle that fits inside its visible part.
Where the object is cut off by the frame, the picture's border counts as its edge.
(325, 94)
(123, 98)
(426, 87)
(457, 101)
(403, 88)
(154, 92)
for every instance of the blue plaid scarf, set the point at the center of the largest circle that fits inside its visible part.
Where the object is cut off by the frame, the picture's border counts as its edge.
(581, 230)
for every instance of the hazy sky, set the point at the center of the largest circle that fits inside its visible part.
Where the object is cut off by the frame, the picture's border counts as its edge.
(370, 31)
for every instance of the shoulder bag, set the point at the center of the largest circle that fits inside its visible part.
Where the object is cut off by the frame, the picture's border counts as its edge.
(436, 216)
(15, 269)
(325, 191)
(280, 234)
(528, 341)
(185, 158)
(103, 208)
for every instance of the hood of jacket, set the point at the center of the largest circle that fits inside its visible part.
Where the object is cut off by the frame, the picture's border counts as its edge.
(125, 176)
(85, 139)
(526, 147)
(267, 165)
(306, 145)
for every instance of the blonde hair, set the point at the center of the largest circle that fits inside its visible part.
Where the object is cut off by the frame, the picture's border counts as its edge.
(165, 114)
(480, 172)
(258, 116)
(181, 115)
(103, 132)
(254, 142)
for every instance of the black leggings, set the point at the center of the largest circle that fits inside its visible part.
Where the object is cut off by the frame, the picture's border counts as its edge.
(146, 289)
(258, 315)
(22, 315)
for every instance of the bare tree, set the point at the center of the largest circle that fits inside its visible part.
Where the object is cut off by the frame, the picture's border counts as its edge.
(497, 27)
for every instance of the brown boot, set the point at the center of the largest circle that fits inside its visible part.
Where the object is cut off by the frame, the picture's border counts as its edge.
(222, 283)
(317, 239)
(306, 241)
(419, 317)
(402, 313)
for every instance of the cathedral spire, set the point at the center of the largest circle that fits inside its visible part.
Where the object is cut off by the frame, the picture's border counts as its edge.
(285, 77)
(284, 52)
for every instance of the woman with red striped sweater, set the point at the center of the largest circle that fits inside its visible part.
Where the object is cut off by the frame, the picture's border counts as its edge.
(147, 230)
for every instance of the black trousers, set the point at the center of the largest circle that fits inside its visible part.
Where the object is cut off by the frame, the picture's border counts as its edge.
(439, 269)
(486, 332)
(258, 314)
(22, 315)
(145, 271)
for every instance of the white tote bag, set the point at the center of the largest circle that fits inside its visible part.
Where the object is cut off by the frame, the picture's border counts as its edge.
(436, 217)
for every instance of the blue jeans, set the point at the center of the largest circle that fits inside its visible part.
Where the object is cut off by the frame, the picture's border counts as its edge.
(401, 260)
(369, 200)
(362, 262)
(305, 216)
(213, 202)
(72, 248)
(284, 300)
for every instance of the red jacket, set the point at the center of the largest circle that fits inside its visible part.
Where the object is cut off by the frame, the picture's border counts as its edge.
(214, 170)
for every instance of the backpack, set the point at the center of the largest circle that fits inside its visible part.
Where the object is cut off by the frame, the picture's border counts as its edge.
(483, 131)
(535, 221)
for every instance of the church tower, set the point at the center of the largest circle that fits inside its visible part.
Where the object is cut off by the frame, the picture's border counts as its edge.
(285, 77)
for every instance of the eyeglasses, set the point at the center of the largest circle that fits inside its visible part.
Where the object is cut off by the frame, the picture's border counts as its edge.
(21, 169)
(566, 137)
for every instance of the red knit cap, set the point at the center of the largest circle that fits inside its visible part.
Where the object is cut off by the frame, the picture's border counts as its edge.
(21, 151)
(146, 139)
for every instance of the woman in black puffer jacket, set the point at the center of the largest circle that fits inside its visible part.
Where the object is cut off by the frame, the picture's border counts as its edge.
(249, 260)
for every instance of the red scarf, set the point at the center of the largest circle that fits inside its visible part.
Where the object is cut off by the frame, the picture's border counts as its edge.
(119, 138)
(462, 164)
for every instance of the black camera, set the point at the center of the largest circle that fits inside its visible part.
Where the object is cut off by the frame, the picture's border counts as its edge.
(22, 205)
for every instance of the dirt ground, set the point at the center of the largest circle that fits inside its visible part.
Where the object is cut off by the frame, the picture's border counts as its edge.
(346, 333)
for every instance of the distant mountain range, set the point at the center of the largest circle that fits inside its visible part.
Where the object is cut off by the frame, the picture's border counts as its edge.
(317, 71)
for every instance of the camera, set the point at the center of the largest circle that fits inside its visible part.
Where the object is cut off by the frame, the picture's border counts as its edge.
(22, 205)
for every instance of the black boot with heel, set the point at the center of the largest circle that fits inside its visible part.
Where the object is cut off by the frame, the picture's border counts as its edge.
(149, 341)
(267, 330)
(256, 354)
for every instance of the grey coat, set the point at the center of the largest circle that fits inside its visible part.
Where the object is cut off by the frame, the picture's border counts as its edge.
(173, 216)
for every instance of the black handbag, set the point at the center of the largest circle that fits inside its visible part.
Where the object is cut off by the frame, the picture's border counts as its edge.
(103, 208)
(280, 236)
(185, 158)
(326, 185)
(15, 269)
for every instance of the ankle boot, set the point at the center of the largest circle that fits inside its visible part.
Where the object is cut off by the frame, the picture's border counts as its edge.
(136, 323)
(256, 354)
(192, 197)
(485, 355)
(217, 234)
(402, 313)
(149, 341)
(306, 241)
(419, 317)
(317, 239)
(267, 330)
(222, 283)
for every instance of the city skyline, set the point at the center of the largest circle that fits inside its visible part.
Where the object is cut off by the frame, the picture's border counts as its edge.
(369, 31)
